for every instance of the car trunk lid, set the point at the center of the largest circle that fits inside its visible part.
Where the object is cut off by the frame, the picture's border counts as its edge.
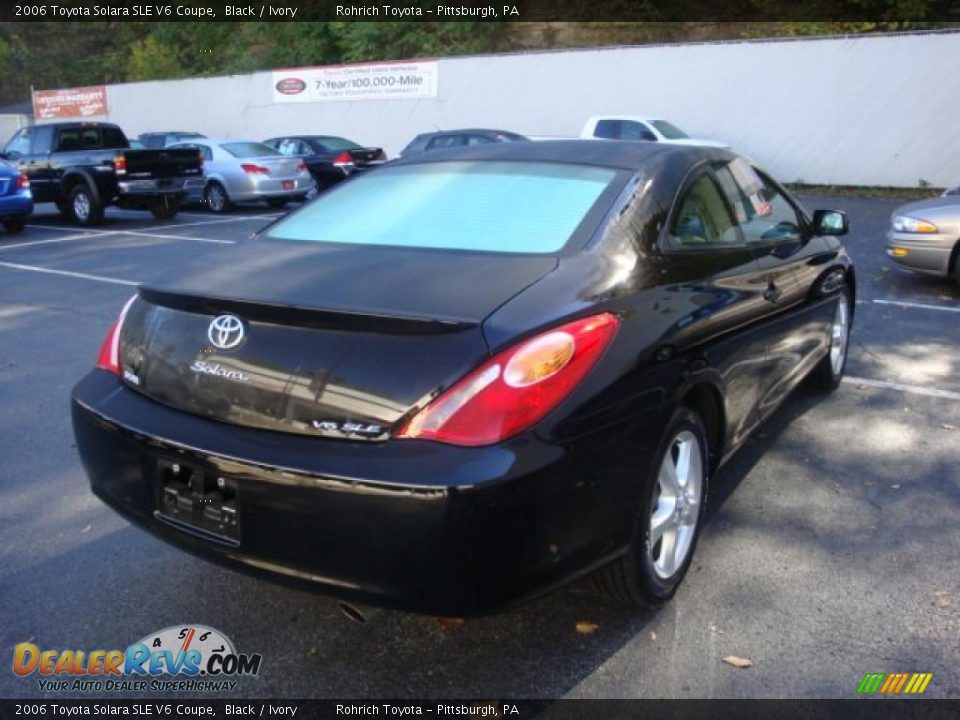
(310, 347)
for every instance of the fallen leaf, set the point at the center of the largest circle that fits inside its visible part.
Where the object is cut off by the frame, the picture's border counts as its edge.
(896, 486)
(444, 624)
(942, 600)
(586, 628)
(653, 636)
(738, 662)
(948, 426)
(86, 529)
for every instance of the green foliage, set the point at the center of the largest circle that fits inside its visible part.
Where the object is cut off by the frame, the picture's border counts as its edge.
(152, 60)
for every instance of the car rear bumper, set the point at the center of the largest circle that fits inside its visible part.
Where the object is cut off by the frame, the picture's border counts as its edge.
(411, 525)
(256, 188)
(924, 253)
(15, 206)
(152, 187)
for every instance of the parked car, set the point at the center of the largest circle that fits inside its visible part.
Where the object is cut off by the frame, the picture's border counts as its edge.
(85, 166)
(952, 191)
(925, 236)
(633, 127)
(238, 171)
(457, 138)
(471, 375)
(329, 159)
(165, 139)
(16, 200)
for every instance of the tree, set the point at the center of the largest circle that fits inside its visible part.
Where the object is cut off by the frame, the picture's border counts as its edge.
(151, 60)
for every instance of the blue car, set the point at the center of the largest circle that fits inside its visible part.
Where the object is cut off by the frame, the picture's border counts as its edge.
(16, 200)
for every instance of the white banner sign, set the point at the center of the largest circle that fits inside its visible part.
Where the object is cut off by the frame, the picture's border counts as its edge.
(374, 81)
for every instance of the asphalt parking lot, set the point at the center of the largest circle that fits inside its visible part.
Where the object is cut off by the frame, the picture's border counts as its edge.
(832, 546)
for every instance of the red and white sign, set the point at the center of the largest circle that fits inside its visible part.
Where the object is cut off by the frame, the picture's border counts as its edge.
(404, 80)
(70, 103)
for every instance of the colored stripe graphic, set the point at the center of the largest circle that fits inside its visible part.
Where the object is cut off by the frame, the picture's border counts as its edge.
(870, 683)
(894, 683)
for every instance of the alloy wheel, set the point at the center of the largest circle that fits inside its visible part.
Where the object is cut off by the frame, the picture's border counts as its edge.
(81, 206)
(675, 514)
(216, 198)
(840, 331)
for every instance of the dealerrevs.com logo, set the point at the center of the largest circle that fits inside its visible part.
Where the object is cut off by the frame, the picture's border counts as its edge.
(201, 658)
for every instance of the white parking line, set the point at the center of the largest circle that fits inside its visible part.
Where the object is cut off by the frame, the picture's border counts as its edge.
(68, 273)
(29, 243)
(913, 389)
(58, 228)
(178, 237)
(922, 306)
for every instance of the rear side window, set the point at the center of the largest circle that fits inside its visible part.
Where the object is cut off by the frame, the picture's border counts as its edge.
(702, 219)
(633, 130)
(607, 129)
(508, 207)
(69, 139)
(111, 137)
(445, 141)
(249, 149)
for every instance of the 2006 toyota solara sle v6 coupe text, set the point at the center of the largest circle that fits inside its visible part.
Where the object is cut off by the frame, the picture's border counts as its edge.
(467, 377)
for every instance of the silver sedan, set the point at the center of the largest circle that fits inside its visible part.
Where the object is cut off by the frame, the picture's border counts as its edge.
(238, 171)
(925, 236)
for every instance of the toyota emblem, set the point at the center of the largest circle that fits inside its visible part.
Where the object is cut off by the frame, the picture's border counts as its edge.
(225, 332)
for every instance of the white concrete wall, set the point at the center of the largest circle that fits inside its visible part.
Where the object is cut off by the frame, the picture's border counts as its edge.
(9, 124)
(874, 110)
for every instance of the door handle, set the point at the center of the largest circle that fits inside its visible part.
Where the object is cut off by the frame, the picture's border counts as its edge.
(772, 293)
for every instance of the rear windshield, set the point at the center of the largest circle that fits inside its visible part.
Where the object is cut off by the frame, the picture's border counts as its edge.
(248, 149)
(509, 207)
(336, 143)
(669, 130)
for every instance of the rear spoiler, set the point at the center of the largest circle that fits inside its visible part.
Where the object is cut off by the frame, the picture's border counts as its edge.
(334, 318)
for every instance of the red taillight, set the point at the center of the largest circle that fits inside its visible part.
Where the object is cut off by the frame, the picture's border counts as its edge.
(109, 357)
(23, 182)
(255, 169)
(516, 388)
(120, 164)
(343, 158)
(301, 167)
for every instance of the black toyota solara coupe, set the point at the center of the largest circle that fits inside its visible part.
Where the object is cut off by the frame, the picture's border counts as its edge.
(472, 375)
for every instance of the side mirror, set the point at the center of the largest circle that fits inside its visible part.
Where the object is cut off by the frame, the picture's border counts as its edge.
(830, 222)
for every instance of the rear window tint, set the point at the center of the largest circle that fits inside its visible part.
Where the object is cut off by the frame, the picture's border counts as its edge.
(509, 207)
(249, 149)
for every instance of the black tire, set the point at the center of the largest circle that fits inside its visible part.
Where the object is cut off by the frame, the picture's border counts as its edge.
(639, 578)
(828, 373)
(277, 203)
(85, 206)
(956, 265)
(167, 207)
(216, 199)
(14, 225)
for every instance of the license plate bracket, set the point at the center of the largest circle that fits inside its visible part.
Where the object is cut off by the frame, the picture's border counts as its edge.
(197, 500)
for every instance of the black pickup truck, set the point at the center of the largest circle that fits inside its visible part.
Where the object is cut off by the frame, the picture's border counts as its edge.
(85, 166)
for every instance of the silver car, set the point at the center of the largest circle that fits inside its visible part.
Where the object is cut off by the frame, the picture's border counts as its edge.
(925, 236)
(237, 171)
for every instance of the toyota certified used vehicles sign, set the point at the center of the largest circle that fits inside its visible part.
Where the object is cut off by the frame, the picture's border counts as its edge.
(371, 81)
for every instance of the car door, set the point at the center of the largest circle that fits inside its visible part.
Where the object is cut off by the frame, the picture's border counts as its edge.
(776, 229)
(713, 287)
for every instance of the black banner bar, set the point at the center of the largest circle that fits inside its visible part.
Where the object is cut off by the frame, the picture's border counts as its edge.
(855, 709)
(905, 12)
